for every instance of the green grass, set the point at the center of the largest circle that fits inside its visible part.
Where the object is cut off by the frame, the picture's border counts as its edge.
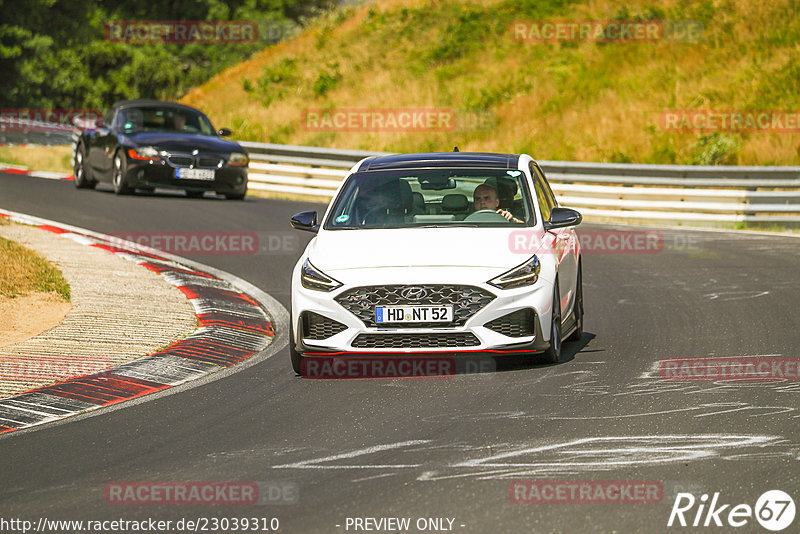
(23, 271)
(578, 101)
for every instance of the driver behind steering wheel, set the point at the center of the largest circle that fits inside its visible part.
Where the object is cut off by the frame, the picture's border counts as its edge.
(485, 198)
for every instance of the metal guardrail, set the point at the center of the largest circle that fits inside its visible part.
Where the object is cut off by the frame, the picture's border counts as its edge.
(16, 131)
(601, 191)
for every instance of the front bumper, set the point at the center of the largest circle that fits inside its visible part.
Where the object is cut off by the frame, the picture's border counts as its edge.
(150, 174)
(471, 337)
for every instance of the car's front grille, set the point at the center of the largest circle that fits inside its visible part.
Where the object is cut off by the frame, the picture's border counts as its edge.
(416, 341)
(465, 300)
(181, 161)
(204, 162)
(515, 324)
(209, 162)
(316, 326)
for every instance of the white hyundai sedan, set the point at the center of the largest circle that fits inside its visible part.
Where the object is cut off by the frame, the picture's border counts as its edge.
(443, 253)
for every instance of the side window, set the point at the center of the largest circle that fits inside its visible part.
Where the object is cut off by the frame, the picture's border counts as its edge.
(541, 195)
(549, 192)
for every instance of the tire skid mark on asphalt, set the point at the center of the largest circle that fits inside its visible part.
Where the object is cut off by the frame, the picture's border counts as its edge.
(571, 457)
(232, 327)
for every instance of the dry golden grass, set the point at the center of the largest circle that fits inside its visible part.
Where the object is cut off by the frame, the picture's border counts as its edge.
(24, 272)
(40, 158)
(581, 101)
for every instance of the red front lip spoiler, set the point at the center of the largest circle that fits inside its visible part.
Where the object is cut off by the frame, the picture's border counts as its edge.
(421, 353)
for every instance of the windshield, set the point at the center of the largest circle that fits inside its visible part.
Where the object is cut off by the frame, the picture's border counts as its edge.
(164, 119)
(433, 197)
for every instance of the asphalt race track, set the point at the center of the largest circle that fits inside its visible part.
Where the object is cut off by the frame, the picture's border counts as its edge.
(448, 448)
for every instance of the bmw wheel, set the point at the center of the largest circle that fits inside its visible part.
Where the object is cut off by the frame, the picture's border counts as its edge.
(121, 187)
(82, 174)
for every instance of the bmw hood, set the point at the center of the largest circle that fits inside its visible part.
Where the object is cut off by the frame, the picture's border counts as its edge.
(338, 250)
(183, 142)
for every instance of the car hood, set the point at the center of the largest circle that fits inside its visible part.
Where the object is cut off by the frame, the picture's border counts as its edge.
(338, 250)
(183, 142)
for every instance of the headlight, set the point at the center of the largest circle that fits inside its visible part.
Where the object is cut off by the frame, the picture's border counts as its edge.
(313, 278)
(524, 275)
(144, 153)
(238, 159)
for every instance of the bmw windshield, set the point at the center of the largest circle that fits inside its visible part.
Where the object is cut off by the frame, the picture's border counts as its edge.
(433, 197)
(165, 119)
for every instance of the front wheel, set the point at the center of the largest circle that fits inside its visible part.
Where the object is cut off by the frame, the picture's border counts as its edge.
(81, 173)
(121, 186)
(295, 356)
(236, 196)
(577, 309)
(553, 352)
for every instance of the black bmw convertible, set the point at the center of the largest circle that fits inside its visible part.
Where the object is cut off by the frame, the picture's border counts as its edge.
(148, 144)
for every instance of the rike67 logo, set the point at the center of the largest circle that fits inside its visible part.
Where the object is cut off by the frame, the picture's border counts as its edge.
(774, 510)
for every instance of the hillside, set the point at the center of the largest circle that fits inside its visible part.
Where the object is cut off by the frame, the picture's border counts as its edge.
(585, 101)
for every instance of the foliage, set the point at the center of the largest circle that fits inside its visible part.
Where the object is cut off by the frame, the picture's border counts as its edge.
(54, 53)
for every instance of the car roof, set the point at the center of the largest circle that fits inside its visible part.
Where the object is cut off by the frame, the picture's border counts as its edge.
(146, 102)
(441, 159)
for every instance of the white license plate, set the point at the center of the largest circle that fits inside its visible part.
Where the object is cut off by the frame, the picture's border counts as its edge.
(413, 314)
(195, 174)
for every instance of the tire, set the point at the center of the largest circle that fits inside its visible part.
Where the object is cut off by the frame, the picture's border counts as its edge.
(577, 308)
(295, 356)
(121, 186)
(237, 196)
(194, 194)
(82, 172)
(553, 352)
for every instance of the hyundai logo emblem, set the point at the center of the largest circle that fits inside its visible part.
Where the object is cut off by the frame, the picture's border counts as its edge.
(414, 293)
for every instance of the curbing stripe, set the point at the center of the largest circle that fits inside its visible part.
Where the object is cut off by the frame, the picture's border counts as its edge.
(233, 327)
(49, 175)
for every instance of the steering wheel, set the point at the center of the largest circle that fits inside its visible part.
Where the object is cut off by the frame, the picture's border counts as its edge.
(485, 216)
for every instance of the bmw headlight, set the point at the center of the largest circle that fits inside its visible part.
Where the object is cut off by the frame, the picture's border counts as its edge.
(144, 153)
(523, 275)
(313, 278)
(238, 159)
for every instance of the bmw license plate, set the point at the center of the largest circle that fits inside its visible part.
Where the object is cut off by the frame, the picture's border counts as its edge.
(413, 314)
(194, 174)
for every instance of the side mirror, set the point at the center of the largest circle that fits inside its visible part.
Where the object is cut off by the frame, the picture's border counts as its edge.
(306, 221)
(224, 132)
(562, 218)
(99, 123)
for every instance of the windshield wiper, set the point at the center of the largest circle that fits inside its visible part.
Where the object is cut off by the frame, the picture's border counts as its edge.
(450, 225)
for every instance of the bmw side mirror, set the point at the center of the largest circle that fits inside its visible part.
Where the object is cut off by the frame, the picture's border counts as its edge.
(562, 218)
(306, 221)
(224, 132)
